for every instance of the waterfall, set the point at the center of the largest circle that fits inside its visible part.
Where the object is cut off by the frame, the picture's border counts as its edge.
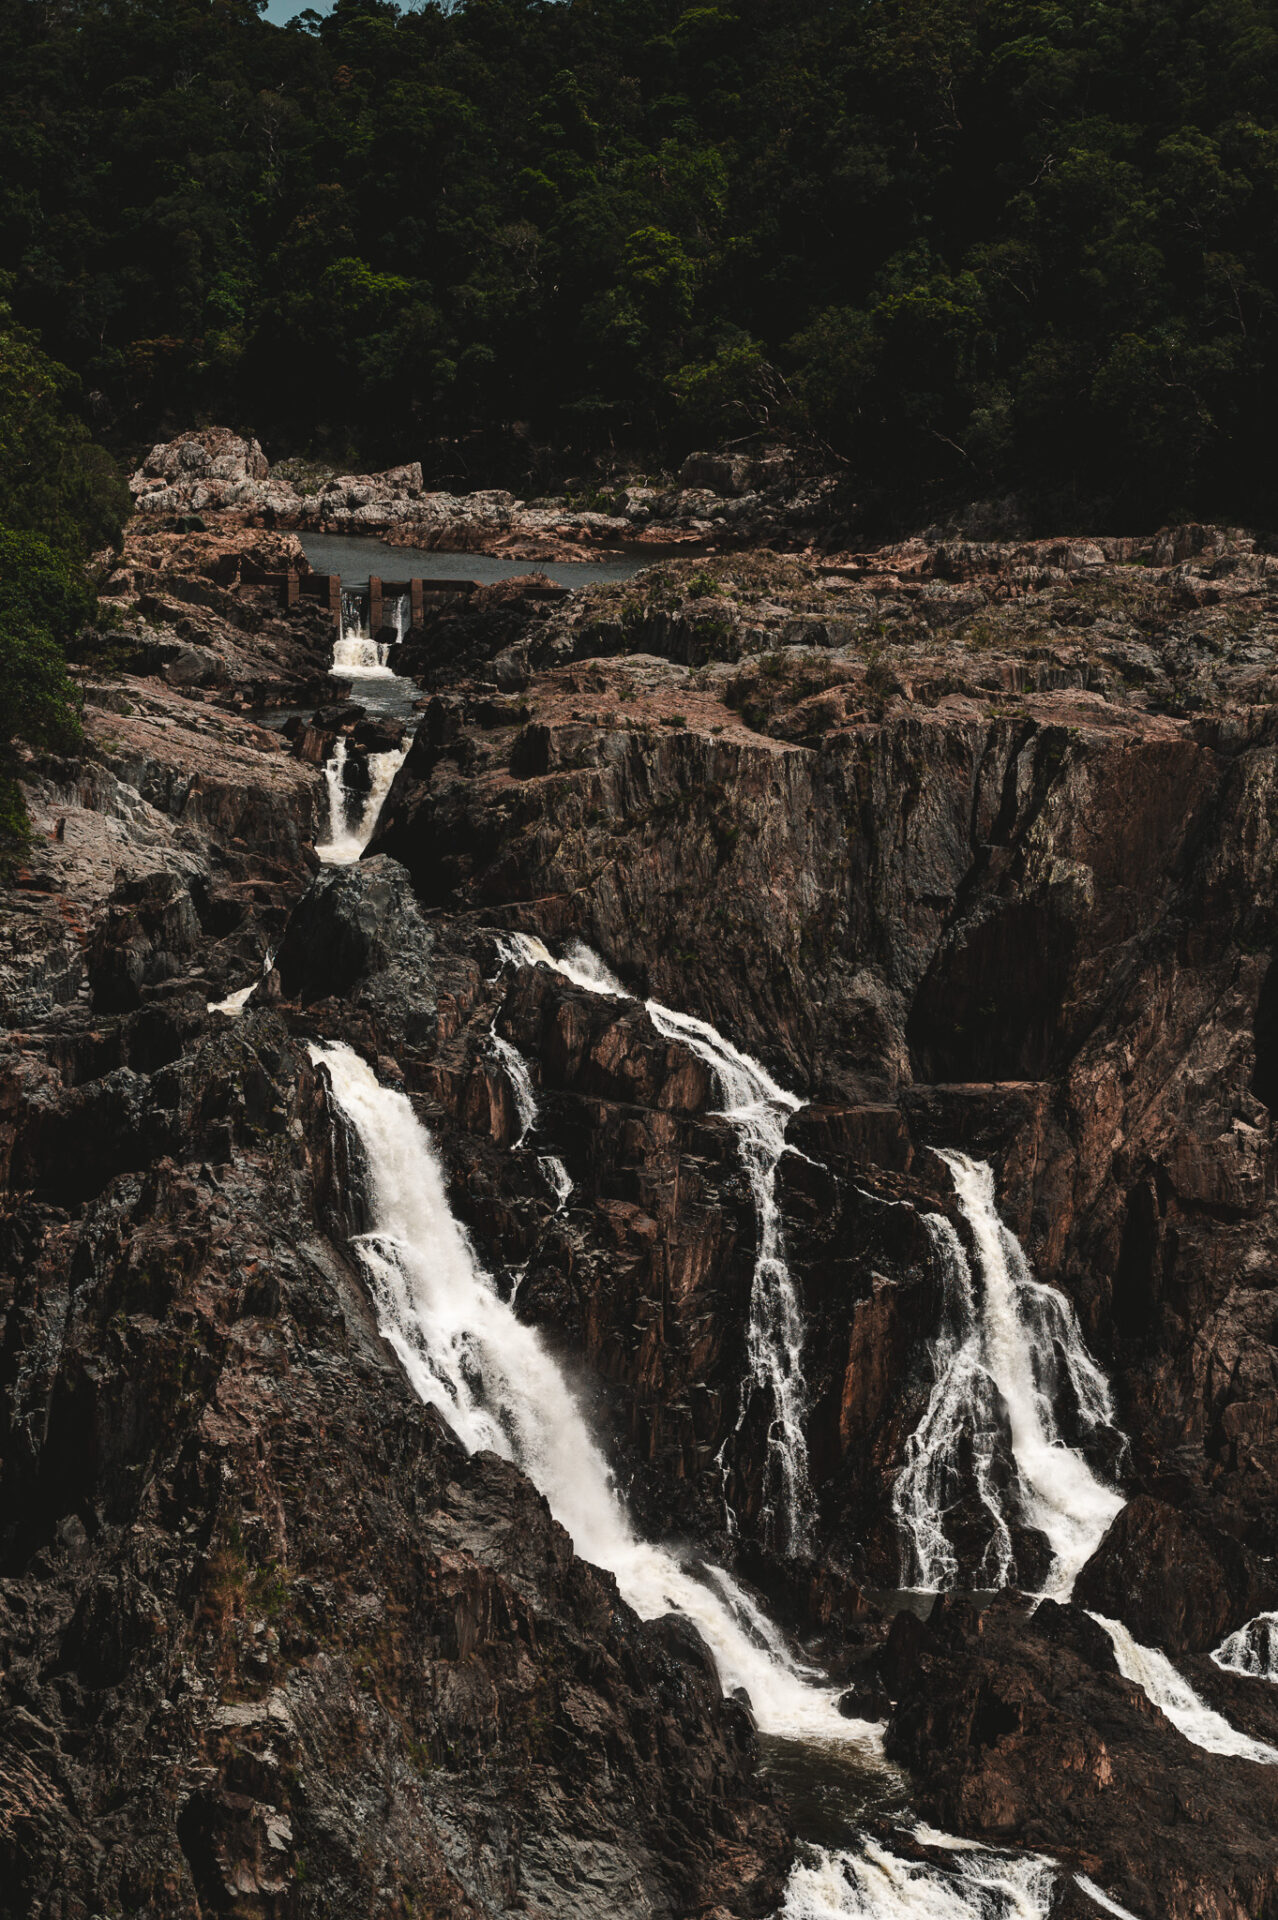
(877, 1884)
(399, 612)
(558, 1178)
(552, 1167)
(1172, 1694)
(1001, 1367)
(356, 655)
(348, 839)
(1253, 1650)
(758, 1109)
(496, 1384)
(520, 1083)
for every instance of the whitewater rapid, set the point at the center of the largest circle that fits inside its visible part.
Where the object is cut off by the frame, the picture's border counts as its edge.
(1253, 1650)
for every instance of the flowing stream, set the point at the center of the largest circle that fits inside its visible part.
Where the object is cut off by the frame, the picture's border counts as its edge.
(352, 815)
(878, 1884)
(1003, 1363)
(1172, 1694)
(758, 1109)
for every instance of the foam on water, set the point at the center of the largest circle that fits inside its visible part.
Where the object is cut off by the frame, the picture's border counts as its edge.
(1172, 1694)
(877, 1884)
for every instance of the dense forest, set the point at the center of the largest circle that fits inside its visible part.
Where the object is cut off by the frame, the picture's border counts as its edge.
(964, 248)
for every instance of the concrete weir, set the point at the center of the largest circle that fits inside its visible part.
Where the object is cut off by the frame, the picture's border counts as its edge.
(295, 586)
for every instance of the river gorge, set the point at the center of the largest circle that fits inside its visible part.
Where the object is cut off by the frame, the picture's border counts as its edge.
(640, 1234)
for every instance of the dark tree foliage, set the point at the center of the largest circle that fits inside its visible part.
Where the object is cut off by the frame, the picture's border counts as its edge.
(973, 246)
(53, 478)
(43, 604)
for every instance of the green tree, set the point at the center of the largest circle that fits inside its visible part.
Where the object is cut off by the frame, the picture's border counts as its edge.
(53, 479)
(43, 603)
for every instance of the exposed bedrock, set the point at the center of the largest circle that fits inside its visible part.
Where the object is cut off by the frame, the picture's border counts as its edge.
(1023, 1730)
(1039, 929)
(274, 1644)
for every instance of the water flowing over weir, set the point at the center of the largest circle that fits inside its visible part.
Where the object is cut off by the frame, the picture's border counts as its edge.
(1002, 1367)
(495, 1383)
(355, 653)
(352, 816)
(758, 1109)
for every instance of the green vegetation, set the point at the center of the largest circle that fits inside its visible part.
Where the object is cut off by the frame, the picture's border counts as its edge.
(971, 247)
(43, 601)
(53, 479)
(61, 496)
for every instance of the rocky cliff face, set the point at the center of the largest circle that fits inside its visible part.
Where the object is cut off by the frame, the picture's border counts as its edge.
(972, 848)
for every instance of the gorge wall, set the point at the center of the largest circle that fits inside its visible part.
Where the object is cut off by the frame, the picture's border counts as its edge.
(970, 848)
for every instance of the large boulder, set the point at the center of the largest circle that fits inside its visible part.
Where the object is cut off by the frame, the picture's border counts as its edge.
(211, 453)
(1173, 1581)
(359, 933)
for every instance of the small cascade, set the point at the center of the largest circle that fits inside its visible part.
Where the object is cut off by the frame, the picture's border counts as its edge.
(1172, 1694)
(356, 655)
(558, 1178)
(399, 615)
(1101, 1899)
(520, 1083)
(235, 1003)
(1003, 1365)
(1253, 1650)
(877, 1884)
(349, 836)
(758, 1108)
(497, 1385)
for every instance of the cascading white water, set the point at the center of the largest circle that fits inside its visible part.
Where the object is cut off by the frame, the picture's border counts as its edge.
(1253, 1650)
(1001, 1367)
(520, 1083)
(558, 1178)
(398, 615)
(1173, 1695)
(877, 1884)
(1102, 1899)
(758, 1109)
(356, 655)
(349, 836)
(497, 1386)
